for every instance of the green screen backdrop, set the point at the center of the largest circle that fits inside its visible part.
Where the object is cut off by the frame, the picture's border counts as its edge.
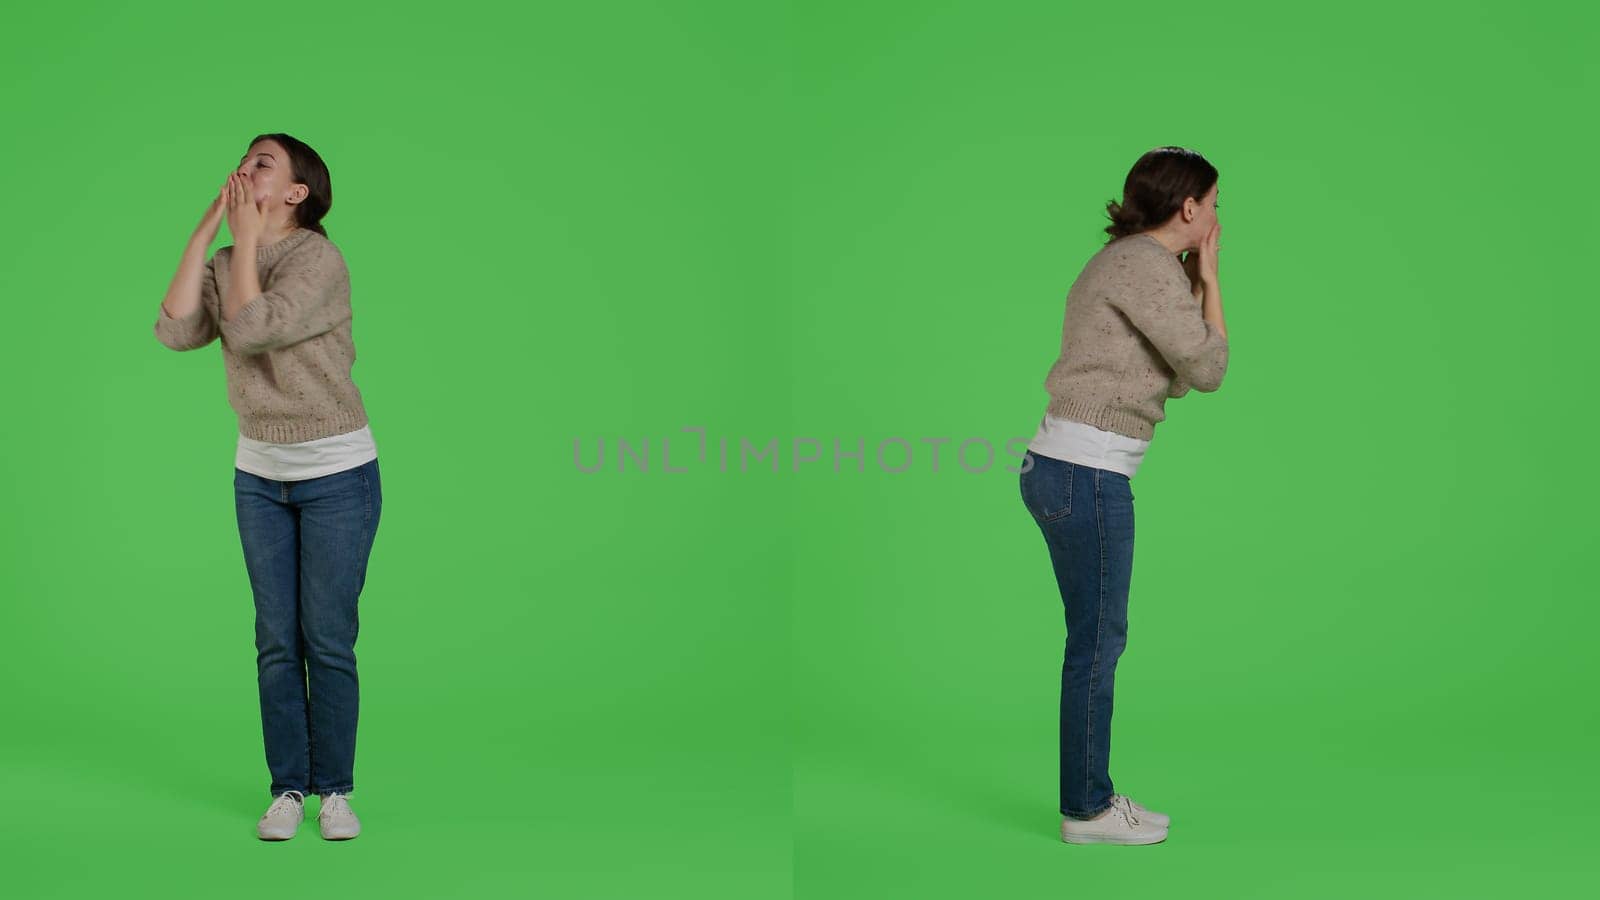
(1359, 653)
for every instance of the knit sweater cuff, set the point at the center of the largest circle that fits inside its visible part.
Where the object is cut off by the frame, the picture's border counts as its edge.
(184, 332)
(245, 322)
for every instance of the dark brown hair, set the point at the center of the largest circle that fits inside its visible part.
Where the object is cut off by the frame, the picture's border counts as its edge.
(1156, 187)
(307, 168)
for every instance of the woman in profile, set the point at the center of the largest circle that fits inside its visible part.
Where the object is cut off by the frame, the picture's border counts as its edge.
(1140, 327)
(305, 481)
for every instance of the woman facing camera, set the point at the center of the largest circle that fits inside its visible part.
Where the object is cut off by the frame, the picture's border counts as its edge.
(305, 480)
(1141, 326)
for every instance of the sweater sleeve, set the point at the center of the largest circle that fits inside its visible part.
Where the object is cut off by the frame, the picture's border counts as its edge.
(199, 327)
(1163, 309)
(308, 295)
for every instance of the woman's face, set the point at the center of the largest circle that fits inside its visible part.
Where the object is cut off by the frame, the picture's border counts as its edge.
(266, 167)
(1205, 215)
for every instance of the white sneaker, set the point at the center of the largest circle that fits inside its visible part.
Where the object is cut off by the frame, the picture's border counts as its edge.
(283, 817)
(338, 821)
(1119, 824)
(1150, 815)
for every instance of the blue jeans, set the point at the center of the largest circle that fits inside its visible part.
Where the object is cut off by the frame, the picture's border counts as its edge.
(1086, 517)
(306, 545)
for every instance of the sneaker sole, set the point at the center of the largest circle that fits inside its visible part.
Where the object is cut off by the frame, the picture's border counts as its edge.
(1126, 840)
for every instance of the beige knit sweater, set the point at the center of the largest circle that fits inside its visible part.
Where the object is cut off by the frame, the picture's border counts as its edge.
(1132, 336)
(289, 351)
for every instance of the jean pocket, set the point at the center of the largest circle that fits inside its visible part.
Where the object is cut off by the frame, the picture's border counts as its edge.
(1047, 489)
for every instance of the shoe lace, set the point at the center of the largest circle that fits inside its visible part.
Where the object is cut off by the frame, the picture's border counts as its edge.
(334, 803)
(286, 803)
(1126, 805)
